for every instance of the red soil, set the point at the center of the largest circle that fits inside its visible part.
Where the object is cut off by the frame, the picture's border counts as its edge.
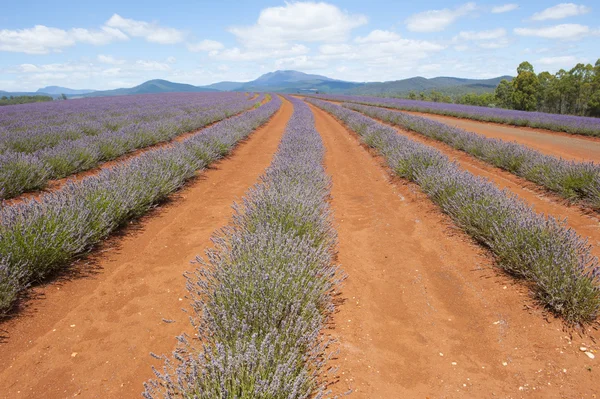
(565, 145)
(57, 184)
(585, 223)
(91, 336)
(425, 314)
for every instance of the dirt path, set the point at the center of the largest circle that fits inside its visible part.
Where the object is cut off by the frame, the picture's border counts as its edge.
(563, 145)
(91, 337)
(57, 184)
(586, 224)
(425, 315)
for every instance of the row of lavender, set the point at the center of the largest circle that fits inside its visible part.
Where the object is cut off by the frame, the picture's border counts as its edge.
(265, 292)
(33, 157)
(572, 180)
(560, 123)
(30, 127)
(40, 237)
(554, 260)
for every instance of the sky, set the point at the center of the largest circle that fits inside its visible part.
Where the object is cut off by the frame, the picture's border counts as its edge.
(109, 44)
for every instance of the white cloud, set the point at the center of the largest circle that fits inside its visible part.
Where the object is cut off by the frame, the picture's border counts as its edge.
(437, 20)
(149, 31)
(561, 60)
(205, 45)
(97, 37)
(378, 36)
(109, 59)
(143, 65)
(171, 60)
(481, 35)
(560, 11)
(237, 54)
(564, 32)
(37, 40)
(504, 8)
(42, 39)
(300, 62)
(332, 49)
(298, 21)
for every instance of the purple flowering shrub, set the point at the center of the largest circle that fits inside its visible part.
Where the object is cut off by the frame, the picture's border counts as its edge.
(40, 237)
(58, 140)
(561, 123)
(264, 293)
(553, 259)
(570, 179)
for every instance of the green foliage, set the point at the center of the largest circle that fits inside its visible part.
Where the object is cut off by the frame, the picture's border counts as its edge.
(12, 100)
(525, 88)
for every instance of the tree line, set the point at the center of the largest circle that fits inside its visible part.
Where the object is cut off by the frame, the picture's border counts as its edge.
(12, 100)
(573, 92)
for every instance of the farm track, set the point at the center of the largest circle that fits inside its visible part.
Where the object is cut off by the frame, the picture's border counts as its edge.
(585, 222)
(91, 337)
(424, 313)
(57, 184)
(565, 145)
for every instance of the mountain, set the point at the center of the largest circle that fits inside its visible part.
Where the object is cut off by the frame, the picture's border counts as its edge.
(151, 86)
(418, 84)
(62, 90)
(225, 86)
(288, 82)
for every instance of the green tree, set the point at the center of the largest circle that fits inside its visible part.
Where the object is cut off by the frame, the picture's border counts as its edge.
(504, 94)
(525, 88)
(594, 99)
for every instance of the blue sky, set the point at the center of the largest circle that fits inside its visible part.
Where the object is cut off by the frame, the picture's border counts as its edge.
(108, 44)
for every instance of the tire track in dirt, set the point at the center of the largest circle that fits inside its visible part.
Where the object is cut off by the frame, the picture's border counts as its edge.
(91, 337)
(424, 313)
(585, 223)
(563, 145)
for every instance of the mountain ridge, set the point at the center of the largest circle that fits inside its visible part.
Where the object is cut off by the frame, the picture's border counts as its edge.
(290, 81)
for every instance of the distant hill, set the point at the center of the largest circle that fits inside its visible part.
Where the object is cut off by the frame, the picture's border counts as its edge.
(25, 93)
(419, 84)
(288, 81)
(151, 86)
(63, 90)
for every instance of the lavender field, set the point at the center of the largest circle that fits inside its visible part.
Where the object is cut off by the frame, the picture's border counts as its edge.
(561, 123)
(46, 141)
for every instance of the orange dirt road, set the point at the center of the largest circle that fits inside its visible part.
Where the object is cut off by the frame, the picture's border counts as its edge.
(568, 146)
(91, 337)
(425, 315)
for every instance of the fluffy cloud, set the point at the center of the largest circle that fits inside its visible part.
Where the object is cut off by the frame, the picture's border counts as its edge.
(560, 11)
(42, 39)
(378, 36)
(300, 21)
(564, 32)
(206, 45)
(110, 60)
(481, 35)
(504, 8)
(237, 54)
(149, 31)
(437, 20)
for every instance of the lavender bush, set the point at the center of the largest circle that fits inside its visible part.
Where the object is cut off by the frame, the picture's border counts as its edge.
(572, 180)
(561, 123)
(57, 140)
(39, 237)
(264, 292)
(552, 258)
